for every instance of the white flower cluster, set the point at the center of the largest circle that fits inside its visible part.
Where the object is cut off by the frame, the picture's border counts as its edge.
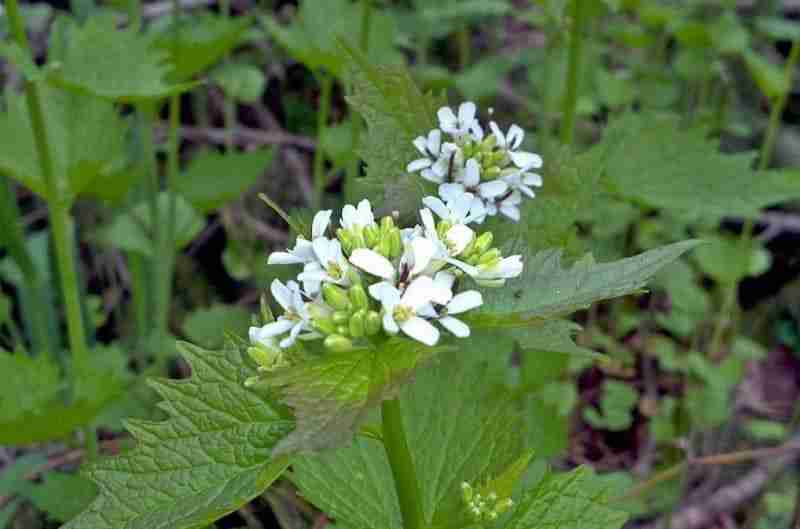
(461, 157)
(484, 507)
(374, 278)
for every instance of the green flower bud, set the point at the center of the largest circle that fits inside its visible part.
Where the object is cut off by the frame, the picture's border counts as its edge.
(358, 240)
(265, 358)
(266, 312)
(325, 325)
(372, 234)
(340, 317)
(335, 296)
(490, 256)
(372, 323)
(346, 239)
(395, 244)
(500, 158)
(353, 276)
(358, 297)
(318, 311)
(443, 227)
(385, 247)
(342, 329)
(489, 142)
(387, 226)
(338, 344)
(483, 242)
(491, 173)
(357, 324)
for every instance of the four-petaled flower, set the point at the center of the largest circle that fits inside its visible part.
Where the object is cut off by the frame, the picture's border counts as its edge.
(401, 308)
(460, 303)
(295, 319)
(465, 123)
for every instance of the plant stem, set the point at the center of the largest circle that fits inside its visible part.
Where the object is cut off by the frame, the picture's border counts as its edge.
(767, 148)
(326, 89)
(357, 123)
(463, 47)
(228, 104)
(58, 199)
(148, 115)
(91, 442)
(573, 72)
(405, 477)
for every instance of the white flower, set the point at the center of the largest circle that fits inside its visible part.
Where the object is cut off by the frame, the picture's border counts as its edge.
(329, 265)
(303, 251)
(457, 238)
(437, 158)
(458, 206)
(462, 125)
(509, 206)
(511, 142)
(400, 309)
(295, 320)
(522, 182)
(259, 337)
(471, 180)
(459, 304)
(361, 217)
(418, 253)
(496, 275)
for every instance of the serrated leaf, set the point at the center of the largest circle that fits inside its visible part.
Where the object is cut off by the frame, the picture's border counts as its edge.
(654, 163)
(211, 456)
(86, 138)
(546, 289)
(396, 112)
(207, 327)
(132, 230)
(566, 501)
(113, 63)
(332, 395)
(51, 495)
(616, 406)
(213, 179)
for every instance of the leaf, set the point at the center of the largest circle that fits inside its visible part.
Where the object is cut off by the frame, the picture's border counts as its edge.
(8, 511)
(574, 500)
(654, 163)
(242, 82)
(12, 480)
(481, 79)
(50, 497)
(210, 457)
(212, 179)
(313, 36)
(769, 77)
(778, 28)
(207, 327)
(86, 138)
(202, 41)
(546, 289)
(396, 112)
(113, 63)
(727, 260)
(465, 9)
(332, 394)
(14, 54)
(131, 231)
(615, 407)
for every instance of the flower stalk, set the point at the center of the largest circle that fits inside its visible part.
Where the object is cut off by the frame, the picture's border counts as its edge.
(578, 11)
(402, 464)
(326, 91)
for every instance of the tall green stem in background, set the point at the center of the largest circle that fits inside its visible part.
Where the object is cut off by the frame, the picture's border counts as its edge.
(326, 90)
(228, 104)
(463, 40)
(58, 200)
(573, 72)
(403, 472)
(357, 123)
(767, 148)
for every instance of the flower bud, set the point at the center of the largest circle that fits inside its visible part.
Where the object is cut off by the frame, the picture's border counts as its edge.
(483, 242)
(266, 312)
(353, 276)
(357, 324)
(325, 325)
(372, 235)
(491, 173)
(264, 357)
(387, 226)
(395, 244)
(385, 247)
(490, 257)
(372, 323)
(442, 228)
(335, 296)
(358, 297)
(489, 142)
(340, 317)
(500, 158)
(338, 344)
(317, 311)
(346, 239)
(358, 239)
(342, 329)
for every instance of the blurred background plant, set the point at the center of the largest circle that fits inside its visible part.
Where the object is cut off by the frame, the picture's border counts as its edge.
(136, 137)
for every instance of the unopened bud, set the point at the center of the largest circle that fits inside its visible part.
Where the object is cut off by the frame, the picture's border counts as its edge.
(395, 244)
(385, 247)
(346, 239)
(483, 243)
(387, 225)
(338, 344)
(342, 329)
(262, 356)
(489, 142)
(358, 297)
(490, 257)
(353, 276)
(372, 235)
(340, 317)
(357, 324)
(266, 312)
(372, 323)
(335, 296)
(325, 325)
(491, 173)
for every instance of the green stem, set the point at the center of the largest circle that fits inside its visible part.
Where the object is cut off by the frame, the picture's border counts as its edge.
(148, 115)
(357, 125)
(92, 450)
(326, 89)
(58, 200)
(405, 478)
(767, 148)
(463, 47)
(573, 71)
(228, 104)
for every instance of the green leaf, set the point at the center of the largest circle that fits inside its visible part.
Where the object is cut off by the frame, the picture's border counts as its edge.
(86, 137)
(331, 395)
(768, 76)
(202, 41)
(243, 82)
(14, 54)
(481, 79)
(207, 327)
(12, 480)
(313, 37)
(439, 12)
(113, 63)
(727, 260)
(616, 407)
(210, 457)
(50, 496)
(8, 511)
(212, 179)
(396, 112)
(778, 28)
(729, 35)
(575, 500)
(546, 289)
(654, 163)
(131, 231)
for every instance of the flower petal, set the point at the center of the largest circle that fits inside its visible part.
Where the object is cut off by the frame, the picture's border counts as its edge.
(418, 165)
(372, 263)
(421, 144)
(437, 206)
(418, 293)
(421, 330)
(457, 327)
(526, 160)
(289, 340)
(472, 173)
(450, 191)
(281, 293)
(389, 325)
(532, 179)
(498, 135)
(423, 251)
(444, 279)
(492, 189)
(386, 293)
(515, 137)
(447, 119)
(282, 258)
(320, 223)
(466, 112)
(434, 143)
(465, 301)
(276, 328)
(365, 215)
(459, 236)
(512, 212)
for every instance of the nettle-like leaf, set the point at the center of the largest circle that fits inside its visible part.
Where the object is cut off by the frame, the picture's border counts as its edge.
(652, 162)
(575, 500)
(396, 112)
(332, 395)
(312, 37)
(211, 456)
(213, 179)
(86, 137)
(461, 432)
(112, 63)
